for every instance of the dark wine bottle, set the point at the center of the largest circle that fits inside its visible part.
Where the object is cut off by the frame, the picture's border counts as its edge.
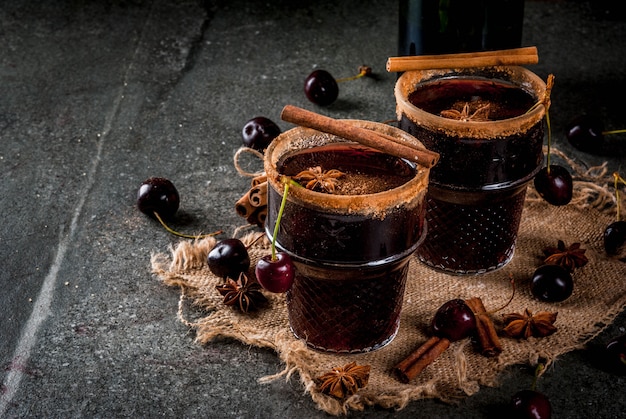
(450, 26)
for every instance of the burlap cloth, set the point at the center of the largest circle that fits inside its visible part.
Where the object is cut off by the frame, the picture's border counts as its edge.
(599, 295)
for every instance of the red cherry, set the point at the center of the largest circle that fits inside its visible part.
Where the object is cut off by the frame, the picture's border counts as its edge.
(530, 404)
(321, 88)
(616, 354)
(275, 275)
(158, 195)
(259, 132)
(228, 258)
(615, 239)
(454, 320)
(555, 184)
(552, 283)
(586, 133)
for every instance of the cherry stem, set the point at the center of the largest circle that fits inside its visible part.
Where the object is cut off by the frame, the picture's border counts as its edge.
(283, 202)
(549, 139)
(615, 131)
(538, 371)
(363, 71)
(508, 302)
(186, 236)
(254, 241)
(618, 180)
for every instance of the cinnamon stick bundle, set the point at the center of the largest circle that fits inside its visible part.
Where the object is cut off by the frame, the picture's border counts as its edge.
(253, 204)
(367, 137)
(514, 56)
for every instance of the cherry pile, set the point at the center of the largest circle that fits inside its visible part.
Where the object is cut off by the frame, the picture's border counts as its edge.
(274, 272)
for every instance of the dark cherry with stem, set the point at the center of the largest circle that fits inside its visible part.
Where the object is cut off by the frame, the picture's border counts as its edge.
(530, 403)
(158, 195)
(321, 88)
(158, 198)
(615, 233)
(586, 133)
(275, 272)
(259, 132)
(553, 182)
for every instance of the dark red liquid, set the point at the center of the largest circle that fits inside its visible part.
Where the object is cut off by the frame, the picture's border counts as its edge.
(504, 100)
(365, 170)
(350, 268)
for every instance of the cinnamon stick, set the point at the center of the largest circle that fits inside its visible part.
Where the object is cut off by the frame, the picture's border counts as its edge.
(243, 207)
(257, 195)
(423, 356)
(258, 216)
(514, 56)
(363, 136)
(485, 330)
(258, 180)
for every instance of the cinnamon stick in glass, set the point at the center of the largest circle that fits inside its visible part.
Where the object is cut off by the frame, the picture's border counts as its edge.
(385, 143)
(515, 56)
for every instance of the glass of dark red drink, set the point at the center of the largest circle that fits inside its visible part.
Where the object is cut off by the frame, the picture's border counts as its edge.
(489, 134)
(351, 247)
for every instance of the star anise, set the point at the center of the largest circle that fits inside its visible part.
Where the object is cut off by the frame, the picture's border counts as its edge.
(527, 325)
(243, 293)
(326, 180)
(344, 381)
(570, 258)
(480, 114)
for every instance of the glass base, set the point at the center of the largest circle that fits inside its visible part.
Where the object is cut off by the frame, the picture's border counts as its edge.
(471, 239)
(353, 351)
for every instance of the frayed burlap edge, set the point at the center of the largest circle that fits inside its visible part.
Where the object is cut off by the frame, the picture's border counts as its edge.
(599, 296)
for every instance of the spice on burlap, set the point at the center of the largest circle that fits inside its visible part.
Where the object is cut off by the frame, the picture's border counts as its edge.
(599, 295)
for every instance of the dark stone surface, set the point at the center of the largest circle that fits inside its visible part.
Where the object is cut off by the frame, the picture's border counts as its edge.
(98, 96)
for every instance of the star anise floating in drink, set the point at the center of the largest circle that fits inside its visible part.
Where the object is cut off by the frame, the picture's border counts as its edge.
(479, 113)
(322, 180)
(342, 382)
(243, 293)
(569, 257)
(523, 326)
